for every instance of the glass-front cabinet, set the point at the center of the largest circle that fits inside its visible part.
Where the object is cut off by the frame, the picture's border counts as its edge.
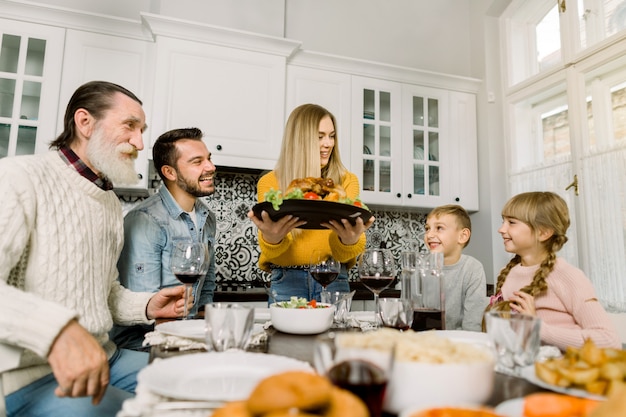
(424, 128)
(406, 151)
(30, 65)
(378, 124)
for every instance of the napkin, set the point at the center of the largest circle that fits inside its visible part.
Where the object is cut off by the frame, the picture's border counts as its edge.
(147, 404)
(259, 337)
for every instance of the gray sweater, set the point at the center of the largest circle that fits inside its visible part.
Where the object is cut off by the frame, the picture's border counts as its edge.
(465, 288)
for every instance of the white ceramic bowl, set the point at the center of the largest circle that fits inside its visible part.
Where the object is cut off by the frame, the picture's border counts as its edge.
(418, 384)
(302, 320)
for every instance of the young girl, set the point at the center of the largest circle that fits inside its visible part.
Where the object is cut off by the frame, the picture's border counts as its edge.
(537, 283)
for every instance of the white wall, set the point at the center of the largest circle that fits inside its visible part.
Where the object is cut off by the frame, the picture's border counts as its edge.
(424, 34)
(457, 37)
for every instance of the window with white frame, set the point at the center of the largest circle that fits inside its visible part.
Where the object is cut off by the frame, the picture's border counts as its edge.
(566, 95)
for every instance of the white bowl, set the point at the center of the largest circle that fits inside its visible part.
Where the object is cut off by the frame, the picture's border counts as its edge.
(419, 384)
(302, 320)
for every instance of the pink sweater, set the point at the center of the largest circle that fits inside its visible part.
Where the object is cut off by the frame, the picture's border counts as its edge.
(569, 310)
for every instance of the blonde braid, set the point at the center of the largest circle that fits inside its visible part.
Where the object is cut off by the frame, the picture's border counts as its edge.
(505, 272)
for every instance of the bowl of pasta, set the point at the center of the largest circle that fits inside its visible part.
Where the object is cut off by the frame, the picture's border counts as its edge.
(434, 369)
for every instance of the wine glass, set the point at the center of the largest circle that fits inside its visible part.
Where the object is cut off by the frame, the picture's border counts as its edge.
(324, 268)
(189, 262)
(377, 271)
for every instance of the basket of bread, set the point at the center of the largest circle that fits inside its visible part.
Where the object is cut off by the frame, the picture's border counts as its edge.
(293, 394)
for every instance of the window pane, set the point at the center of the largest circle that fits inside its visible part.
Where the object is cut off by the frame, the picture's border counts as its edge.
(433, 180)
(556, 140)
(385, 176)
(26, 136)
(30, 100)
(548, 41)
(7, 96)
(418, 145)
(385, 106)
(385, 141)
(618, 102)
(5, 130)
(433, 112)
(614, 16)
(369, 110)
(418, 179)
(433, 146)
(9, 53)
(532, 38)
(35, 56)
(418, 111)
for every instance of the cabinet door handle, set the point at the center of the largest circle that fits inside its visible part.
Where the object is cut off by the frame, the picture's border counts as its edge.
(218, 147)
(399, 195)
(409, 195)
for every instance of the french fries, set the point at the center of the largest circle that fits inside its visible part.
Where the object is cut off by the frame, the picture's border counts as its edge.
(593, 369)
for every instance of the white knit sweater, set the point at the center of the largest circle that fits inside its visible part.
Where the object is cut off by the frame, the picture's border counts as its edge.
(60, 238)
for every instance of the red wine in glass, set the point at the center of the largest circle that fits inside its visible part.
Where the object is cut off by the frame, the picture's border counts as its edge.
(324, 268)
(189, 261)
(363, 379)
(188, 278)
(376, 283)
(324, 277)
(377, 271)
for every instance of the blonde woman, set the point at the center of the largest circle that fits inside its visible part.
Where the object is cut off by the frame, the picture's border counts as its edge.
(537, 282)
(309, 149)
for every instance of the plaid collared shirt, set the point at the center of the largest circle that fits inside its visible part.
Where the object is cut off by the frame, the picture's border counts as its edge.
(74, 161)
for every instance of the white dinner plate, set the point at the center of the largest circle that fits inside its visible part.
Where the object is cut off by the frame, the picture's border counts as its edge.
(528, 373)
(214, 376)
(511, 408)
(190, 329)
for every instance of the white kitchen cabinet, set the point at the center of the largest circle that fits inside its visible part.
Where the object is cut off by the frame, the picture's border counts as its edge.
(330, 90)
(235, 97)
(30, 69)
(377, 139)
(414, 146)
(128, 62)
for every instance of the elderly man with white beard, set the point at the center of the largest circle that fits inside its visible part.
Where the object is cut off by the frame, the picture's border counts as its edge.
(61, 233)
(175, 213)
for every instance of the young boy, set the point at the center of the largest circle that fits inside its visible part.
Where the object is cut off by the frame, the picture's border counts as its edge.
(448, 230)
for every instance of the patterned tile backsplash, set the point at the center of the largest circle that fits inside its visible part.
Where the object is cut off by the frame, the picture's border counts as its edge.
(237, 249)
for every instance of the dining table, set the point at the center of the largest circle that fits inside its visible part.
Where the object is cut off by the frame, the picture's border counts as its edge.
(300, 347)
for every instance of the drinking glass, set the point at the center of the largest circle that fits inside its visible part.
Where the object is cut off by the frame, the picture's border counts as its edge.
(189, 262)
(228, 326)
(377, 271)
(324, 268)
(429, 307)
(364, 371)
(342, 301)
(516, 339)
(396, 313)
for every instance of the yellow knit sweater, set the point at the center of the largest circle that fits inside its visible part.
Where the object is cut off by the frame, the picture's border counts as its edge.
(296, 250)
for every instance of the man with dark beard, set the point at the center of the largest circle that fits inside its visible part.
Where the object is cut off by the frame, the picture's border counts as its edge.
(61, 233)
(174, 213)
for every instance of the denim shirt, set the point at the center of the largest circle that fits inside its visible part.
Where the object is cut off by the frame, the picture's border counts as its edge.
(150, 231)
